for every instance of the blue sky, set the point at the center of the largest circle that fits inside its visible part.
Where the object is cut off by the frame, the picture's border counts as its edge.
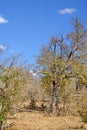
(26, 25)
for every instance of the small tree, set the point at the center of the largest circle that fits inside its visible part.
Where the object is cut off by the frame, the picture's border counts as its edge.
(13, 79)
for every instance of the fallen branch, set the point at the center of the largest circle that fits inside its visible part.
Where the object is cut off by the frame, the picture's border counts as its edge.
(8, 125)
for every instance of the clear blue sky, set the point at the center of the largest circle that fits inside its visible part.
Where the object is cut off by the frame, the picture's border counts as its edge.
(25, 25)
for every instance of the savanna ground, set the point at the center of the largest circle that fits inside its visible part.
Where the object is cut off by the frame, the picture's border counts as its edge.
(41, 121)
(29, 119)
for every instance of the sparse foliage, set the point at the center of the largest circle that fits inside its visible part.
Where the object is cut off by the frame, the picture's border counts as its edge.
(12, 81)
(59, 60)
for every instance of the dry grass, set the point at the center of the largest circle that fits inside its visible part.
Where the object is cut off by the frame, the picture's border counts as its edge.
(41, 121)
(37, 120)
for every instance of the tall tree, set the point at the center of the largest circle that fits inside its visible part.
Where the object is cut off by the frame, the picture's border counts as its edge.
(52, 61)
(57, 59)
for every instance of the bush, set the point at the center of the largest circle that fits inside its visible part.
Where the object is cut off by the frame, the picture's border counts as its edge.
(83, 115)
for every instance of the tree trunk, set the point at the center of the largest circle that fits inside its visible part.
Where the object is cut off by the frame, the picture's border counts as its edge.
(54, 104)
(1, 125)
